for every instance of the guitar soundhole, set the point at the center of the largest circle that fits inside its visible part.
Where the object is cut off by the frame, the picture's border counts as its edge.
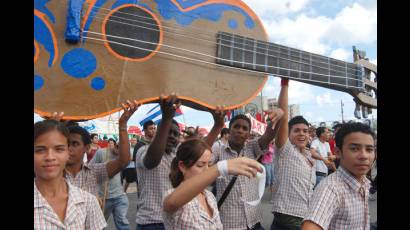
(133, 33)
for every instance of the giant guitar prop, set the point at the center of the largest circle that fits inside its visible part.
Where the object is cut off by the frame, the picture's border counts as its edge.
(209, 52)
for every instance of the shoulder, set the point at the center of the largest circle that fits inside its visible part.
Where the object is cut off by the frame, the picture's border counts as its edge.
(140, 144)
(143, 148)
(329, 186)
(80, 195)
(210, 195)
(253, 144)
(100, 153)
(96, 167)
(315, 142)
(286, 148)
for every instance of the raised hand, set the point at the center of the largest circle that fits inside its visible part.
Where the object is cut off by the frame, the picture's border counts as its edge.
(244, 166)
(275, 115)
(129, 109)
(55, 116)
(219, 116)
(169, 105)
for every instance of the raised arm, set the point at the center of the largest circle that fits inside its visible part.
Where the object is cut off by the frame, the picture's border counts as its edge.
(158, 145)
(272, 128)
(186, 191)
(283, 131)
(115, 166)
(218, 114)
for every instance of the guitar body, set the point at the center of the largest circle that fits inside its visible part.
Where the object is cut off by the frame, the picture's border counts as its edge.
(111, 64)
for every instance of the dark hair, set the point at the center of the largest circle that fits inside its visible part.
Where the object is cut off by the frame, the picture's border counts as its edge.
(148, 123)
(46, 126)
(188, 152)
(243, 117)
(297, 120)
(337, 126)
(70, 123)
(93, 135)
(224, 131)
(349, 128)
(320, 130)
(113, 140)
(85, 135)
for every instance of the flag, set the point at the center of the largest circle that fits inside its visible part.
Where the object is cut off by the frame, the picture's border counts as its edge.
(155, 115)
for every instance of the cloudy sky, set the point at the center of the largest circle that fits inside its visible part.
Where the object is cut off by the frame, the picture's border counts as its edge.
(324, 27)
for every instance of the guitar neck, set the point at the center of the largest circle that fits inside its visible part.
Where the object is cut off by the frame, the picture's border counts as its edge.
(247, 53)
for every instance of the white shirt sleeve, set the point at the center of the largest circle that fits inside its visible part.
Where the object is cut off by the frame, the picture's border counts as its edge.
(328, 147)
(315, 145)
(139, 158)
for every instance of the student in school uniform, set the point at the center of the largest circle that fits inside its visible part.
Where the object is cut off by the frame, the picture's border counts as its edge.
(340, 201)
(57, 203)
(189, 205)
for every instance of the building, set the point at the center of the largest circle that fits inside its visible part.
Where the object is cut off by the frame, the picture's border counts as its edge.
(294, 110)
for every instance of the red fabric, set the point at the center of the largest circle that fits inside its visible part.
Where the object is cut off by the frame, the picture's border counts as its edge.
(134, 130)
(103, 144)
(332, 145)
(179, 111)
(91, 154)
(284, 81)
(260, 118)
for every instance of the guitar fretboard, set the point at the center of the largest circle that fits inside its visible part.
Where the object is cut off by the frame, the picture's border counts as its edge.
(278, 60)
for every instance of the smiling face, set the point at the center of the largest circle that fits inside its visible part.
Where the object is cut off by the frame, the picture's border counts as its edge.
(199, 166)
(299, 135)
(357, 154)
(50, 155)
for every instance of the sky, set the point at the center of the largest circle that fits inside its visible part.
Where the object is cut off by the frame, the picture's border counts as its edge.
(324, 27)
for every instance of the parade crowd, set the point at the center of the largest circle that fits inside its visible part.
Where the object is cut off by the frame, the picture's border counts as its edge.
(317, 179)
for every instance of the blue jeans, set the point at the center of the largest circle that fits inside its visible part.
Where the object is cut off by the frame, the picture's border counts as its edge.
(318, 179)
(150, 227)
(118, 206)
(269, 175)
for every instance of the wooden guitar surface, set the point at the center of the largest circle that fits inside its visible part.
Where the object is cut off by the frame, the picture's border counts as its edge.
(90, 79)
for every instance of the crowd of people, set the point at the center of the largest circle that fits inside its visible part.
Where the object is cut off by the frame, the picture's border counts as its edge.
(317, 180)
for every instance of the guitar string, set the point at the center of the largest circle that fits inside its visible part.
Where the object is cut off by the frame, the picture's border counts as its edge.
(222, 59)
(234, 35)
(228, 67)
(243, 63)
(265, 54)
(245, 38)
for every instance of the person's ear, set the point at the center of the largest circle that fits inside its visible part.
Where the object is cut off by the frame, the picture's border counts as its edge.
(338, 152)
(182, 167)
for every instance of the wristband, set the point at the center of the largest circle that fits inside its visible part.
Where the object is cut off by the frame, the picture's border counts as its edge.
(223, 168)
(284, 82)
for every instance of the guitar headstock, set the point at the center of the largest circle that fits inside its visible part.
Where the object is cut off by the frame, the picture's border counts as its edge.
(365, 99)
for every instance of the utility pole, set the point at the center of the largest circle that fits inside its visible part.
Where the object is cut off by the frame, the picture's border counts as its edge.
(341, 107)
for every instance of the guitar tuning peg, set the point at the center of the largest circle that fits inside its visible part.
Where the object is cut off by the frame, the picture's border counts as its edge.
(357, 111)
